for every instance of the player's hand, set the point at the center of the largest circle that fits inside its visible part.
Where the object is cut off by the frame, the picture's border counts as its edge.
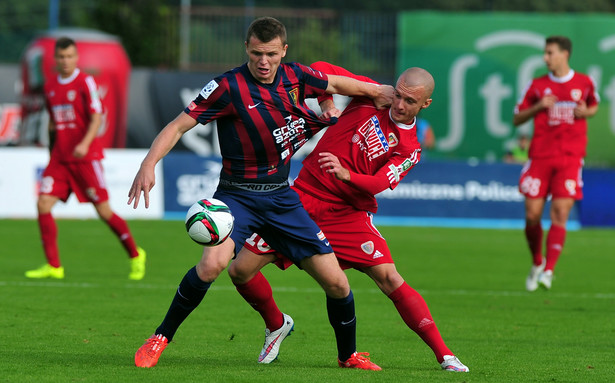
(144, 182)
(548, 101)
(331, 164)
(81, 150)
(385, 98)
(333, 112)
(580, 111)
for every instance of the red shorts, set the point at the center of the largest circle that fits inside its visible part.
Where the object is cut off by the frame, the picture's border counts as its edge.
(354, 238)
(84, 178)
(560, 177)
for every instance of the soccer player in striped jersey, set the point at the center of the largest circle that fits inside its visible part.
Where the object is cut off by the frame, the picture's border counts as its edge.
(559, 103)
(366, 152)
(262, 120)
(75, 115)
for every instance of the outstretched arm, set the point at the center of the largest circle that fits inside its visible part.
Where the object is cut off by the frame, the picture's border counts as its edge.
(145, 179)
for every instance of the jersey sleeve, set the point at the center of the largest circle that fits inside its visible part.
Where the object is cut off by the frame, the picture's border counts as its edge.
(315, 82)
(328, 68)
(212, 102)
(528, 99)
(592, 98)
(388, 176)
(91, 96)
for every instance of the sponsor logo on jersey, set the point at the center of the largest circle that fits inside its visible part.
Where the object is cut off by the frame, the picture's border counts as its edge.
(208, 89)
(367, 247)
(285, 134)
(371, 139)
(378, 254)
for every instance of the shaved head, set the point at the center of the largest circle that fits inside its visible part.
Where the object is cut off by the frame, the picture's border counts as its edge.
(417, 77)
(412, 94)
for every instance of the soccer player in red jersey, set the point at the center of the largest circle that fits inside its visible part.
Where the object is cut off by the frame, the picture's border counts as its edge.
(262, 119)
(559, 102)
(365, 153)
(75, 115)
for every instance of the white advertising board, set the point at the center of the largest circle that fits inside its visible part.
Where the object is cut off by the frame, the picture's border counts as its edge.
(21, 168)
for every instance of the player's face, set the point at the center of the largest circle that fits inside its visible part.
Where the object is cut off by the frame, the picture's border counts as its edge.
(265, 58)
(555, 58)
(408, 102)
(66, 60)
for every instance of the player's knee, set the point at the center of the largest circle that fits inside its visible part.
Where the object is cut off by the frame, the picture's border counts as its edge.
(44, 204)
(337, 288)
(238, 275)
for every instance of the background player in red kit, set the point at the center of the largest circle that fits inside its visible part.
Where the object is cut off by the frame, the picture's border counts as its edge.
(75, 112)
(365, 153)
(559, 102)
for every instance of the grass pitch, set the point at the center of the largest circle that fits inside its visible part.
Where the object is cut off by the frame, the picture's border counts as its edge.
(87, 327)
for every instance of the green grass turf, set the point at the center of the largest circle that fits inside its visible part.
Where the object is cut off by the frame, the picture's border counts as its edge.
(87, 327)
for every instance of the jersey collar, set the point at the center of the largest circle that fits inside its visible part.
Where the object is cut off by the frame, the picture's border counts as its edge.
(403, 126)
(64, 81)
(562, 79)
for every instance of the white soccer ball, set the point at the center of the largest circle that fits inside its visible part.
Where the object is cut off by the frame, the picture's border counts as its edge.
(209, 222)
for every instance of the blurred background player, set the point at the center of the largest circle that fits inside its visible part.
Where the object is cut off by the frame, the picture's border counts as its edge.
(518, 154)
(559, 102)
(365, 153)
(262, 120)
(75, 112)
(425, 134)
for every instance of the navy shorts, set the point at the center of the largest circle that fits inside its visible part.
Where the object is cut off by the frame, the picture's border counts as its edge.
(279, 217)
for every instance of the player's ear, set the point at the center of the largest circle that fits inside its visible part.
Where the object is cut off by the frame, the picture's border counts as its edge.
(426, 103)
(284, 50)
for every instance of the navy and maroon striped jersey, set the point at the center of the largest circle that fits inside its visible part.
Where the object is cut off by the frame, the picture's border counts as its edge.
(260, 126)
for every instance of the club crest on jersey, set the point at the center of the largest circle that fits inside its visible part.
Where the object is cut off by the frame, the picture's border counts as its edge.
(71, 95)
(208, 89)
(576, 94)
(367, 247)
(393, 141)
(294, 95)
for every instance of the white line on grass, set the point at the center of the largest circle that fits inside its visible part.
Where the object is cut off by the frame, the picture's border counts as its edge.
(303, 290)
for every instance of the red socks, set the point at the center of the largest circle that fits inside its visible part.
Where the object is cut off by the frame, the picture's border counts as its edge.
(555, 243)
(533, 234)
(120, 228)
(415, 313)
(257, 292)
(49, 237)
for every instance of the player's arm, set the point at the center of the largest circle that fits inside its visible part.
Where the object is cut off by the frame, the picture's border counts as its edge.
(51, 128)
(584, 111)
(82, 148)
(386, 177)
(522, 116)
(382, 95)
(145, 179)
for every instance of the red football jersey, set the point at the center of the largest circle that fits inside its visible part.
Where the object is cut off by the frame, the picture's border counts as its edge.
(377, 152)
(71, 102)
(556, 131)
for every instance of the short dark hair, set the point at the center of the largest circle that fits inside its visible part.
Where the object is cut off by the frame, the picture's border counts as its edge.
(266, 29)
(562, 42)
(64, 42)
